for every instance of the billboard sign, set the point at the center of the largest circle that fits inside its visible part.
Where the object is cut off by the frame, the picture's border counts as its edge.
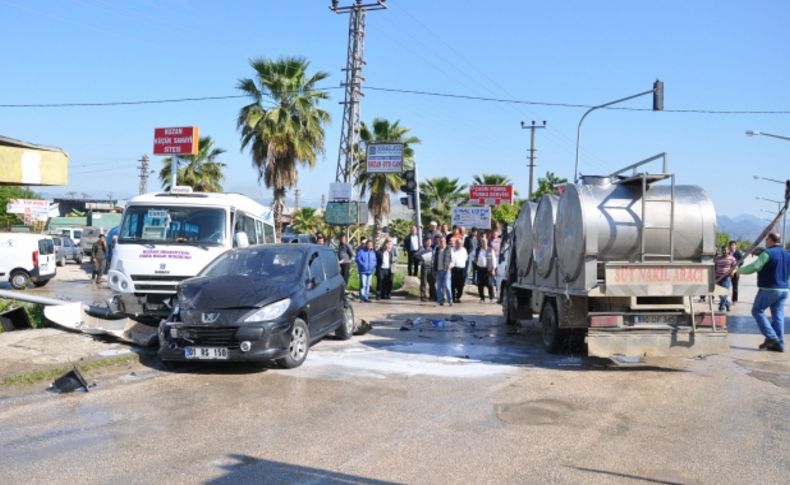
(176, 141)
(339, 191)
(384, 158)
(21, 206)
(490, 194)
(341, 213)
(469, 217)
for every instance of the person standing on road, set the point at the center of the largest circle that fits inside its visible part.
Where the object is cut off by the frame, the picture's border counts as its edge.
(411, 245)
(366, 264)
(725, 266)
(773, 271)
(345, 256)
(386, 258)
(459, 258)
(99, 258)
(738, 255)
(471, 244)
(485, 262)
(442, 258)
(427, 276)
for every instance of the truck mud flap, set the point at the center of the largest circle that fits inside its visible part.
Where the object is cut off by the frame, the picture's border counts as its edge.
(73, 316)
(676, 342)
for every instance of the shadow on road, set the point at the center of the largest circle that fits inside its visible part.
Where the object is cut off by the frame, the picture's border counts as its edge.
(248, 469)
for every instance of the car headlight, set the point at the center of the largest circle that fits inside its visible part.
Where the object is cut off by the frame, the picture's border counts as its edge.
(269, 312)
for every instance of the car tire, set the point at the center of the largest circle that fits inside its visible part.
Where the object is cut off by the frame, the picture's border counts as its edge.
(346, 329)
(60, 261)
(78, 258)
(19, 279)
(298, 346)
(39, 284)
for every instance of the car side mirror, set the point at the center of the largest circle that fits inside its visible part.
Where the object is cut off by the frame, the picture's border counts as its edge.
(241, 240)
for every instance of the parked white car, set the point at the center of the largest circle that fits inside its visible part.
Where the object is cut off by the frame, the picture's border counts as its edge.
(26, 259)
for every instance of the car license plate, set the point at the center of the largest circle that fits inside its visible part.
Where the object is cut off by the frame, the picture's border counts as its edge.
(207, 353)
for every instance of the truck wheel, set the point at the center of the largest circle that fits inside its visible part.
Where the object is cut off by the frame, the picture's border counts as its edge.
(507, 305)
(19, 279)
(552, 335)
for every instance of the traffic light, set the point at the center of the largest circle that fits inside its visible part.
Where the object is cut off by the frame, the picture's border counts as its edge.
(658, 95)
(409, 182)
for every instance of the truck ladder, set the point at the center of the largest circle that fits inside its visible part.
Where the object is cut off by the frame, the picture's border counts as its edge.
(645, 226)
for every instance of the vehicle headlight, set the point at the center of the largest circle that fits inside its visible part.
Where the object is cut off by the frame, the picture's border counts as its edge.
(269, 312)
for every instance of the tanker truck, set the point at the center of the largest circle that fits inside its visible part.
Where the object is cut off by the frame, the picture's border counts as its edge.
(620, 262)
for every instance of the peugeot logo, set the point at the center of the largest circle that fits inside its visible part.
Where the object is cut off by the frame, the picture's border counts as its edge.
(209, 317)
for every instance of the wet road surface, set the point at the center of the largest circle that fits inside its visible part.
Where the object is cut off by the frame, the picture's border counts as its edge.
(464, 401)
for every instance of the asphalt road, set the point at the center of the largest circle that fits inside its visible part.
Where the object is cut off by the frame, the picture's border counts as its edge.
(474, 401)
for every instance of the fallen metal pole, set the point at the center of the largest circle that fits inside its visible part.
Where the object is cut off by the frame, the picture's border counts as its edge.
(16, 295)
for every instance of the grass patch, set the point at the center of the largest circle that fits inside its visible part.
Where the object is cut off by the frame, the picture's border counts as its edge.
(35, 311)
(54, 372)
(397, 278)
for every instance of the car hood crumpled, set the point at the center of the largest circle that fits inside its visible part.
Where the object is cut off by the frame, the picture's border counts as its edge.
(231, 291)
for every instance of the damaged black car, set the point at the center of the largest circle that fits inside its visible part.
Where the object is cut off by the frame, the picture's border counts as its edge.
(261, 303)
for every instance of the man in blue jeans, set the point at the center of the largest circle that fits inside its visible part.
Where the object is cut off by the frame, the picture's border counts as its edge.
(441, 268)
(366, 265)
(773, 271)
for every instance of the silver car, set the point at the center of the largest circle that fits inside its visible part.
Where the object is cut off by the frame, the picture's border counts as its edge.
(66, 249)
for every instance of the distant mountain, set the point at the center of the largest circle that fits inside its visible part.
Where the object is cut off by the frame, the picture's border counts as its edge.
(743, 226)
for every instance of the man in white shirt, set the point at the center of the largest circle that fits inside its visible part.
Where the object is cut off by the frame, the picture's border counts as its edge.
(458, 261)
(411, 245)
(485, 261)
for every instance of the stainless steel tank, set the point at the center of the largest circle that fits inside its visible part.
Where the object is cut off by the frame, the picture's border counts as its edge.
(524, 238)
(543, 226)
(602, 218)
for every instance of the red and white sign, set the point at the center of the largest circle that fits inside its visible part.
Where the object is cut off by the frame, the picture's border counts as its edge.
(176, 141)
(384, 158)
(490, 194)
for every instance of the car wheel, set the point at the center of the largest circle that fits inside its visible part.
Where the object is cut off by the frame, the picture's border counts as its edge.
(19, 279)
(60, 261)
(346, 329)
(39, 284)
(297, 347)
(78, 258)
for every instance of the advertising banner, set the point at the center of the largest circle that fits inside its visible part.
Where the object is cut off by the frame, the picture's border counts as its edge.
(469, 217)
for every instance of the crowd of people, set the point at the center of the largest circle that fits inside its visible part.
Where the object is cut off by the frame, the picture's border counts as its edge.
(444, 259)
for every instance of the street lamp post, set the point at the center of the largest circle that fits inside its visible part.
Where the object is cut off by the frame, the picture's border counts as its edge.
(658, 105)
(786, 183)
(762, 133)
(779, 205)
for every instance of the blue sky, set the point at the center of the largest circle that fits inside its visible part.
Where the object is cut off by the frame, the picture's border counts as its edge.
(712, 55)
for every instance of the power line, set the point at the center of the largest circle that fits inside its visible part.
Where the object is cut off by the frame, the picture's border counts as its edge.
(468, 97)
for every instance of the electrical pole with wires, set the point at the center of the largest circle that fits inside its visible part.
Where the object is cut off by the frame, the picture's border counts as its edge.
(532, 127)
(144, 173)
(349, 132)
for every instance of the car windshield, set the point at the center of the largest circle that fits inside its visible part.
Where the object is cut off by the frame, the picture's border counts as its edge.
(57, 241)
(282, 263)
(203, 226)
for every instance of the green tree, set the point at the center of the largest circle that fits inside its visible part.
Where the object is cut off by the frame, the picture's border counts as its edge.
(439, 195)
(308, 220)
(288, 133)
(202, 172)
(506, 213)
(722, 238)
(400, 228)
(381, 185)
(546, 185)
(13, 192)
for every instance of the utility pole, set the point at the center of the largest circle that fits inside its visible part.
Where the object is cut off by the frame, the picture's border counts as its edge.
(297, 193)
(532, 127)
(348, 155)
(143, 174)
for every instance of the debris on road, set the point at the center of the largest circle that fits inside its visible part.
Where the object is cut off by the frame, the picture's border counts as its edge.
(69, 382)
(15, 319)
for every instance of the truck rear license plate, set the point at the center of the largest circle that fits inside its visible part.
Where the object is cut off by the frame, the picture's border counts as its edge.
(206, 353)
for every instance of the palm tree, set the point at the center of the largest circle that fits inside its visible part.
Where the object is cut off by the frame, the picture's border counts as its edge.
(381, 185)
(308, 220)
(289, 132)
(491, 179)
(440, 194)
(201, 172)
